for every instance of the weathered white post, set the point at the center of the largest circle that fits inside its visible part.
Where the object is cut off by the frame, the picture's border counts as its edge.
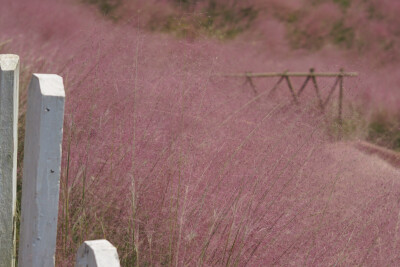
(97, 253)
(41, 174)
(9, 80)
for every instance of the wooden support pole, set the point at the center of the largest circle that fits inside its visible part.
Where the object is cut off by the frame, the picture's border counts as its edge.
(340, 119)
(41, 174)
(275, 86)
(9, 82)
(291, 89)
(331, 91)
(250, 81)
(97, 253)
(314, 80)
(303, 86)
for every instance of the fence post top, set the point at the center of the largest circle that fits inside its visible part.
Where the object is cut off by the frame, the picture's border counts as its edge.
(98, 243)
(50, 84)
(97, 253)
(8, 61)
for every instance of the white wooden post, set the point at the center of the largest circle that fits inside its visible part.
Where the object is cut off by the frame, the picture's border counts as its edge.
(9, 79)
(97, 253)
(41, 174)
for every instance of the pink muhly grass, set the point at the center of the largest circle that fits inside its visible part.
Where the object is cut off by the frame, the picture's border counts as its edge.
(176, 166)
(318, 23)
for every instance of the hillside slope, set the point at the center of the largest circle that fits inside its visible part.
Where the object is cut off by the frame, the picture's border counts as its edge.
(175, 165)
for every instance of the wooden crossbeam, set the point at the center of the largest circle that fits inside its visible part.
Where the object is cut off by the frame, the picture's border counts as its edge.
(291, 74)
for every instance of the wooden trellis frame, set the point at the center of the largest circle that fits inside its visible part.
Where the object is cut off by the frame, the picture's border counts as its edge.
(310, 76)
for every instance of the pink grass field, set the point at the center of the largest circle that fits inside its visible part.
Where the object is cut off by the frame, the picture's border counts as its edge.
(178, 166)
